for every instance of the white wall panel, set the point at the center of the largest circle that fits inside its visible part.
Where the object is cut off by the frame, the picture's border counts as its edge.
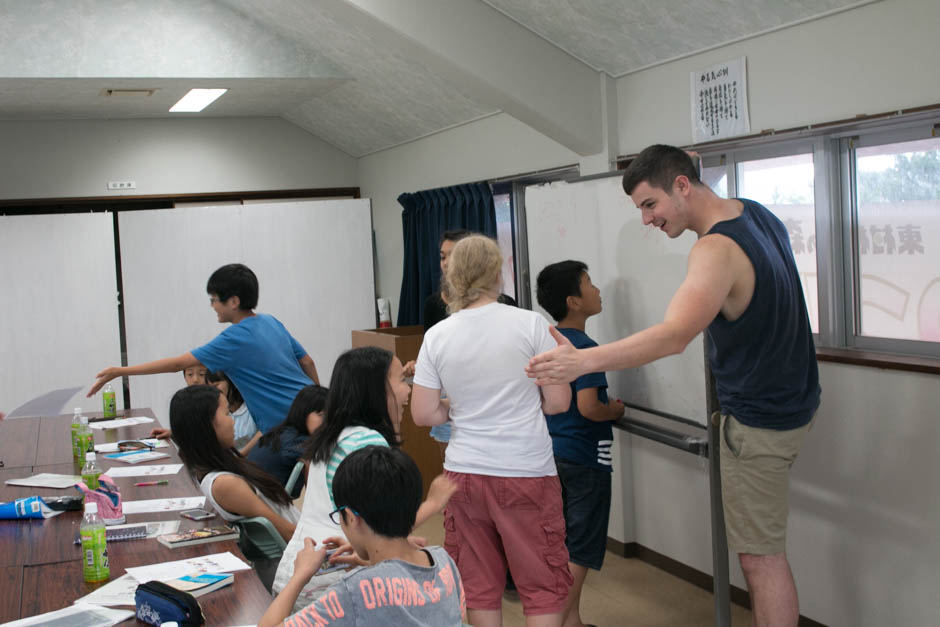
(313, 261)
(59, 324)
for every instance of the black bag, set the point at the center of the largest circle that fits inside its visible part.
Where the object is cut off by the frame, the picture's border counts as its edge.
(158, 603)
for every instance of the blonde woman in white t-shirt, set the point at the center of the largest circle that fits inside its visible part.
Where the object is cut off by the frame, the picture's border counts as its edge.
(507, 508)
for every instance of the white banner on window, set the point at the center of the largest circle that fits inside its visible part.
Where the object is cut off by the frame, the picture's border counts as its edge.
(719, 101)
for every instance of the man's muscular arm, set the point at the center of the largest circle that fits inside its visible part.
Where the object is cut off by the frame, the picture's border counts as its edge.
(713, 269)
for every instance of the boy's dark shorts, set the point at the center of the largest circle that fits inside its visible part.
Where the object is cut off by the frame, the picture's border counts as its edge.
(585, 492)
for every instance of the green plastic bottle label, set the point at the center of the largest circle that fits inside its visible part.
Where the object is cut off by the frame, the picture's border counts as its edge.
(94, 555)
(110, 407)
(86, 444)
(75, 440)
(91, 480)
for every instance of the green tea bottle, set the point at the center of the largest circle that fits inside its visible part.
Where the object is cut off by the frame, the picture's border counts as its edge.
(76, 425)
(107, 397)
(91, 471)
(94, 546)
(86, 441)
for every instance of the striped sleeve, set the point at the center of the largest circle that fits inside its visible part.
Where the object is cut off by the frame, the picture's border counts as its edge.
(346, 446)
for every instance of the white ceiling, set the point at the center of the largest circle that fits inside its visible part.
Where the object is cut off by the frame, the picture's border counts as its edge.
(362, 75)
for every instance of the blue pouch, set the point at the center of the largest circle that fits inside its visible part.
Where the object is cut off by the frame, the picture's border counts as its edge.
(158, 603)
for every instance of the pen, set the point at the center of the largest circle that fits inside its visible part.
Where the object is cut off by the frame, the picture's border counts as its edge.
(145, 483)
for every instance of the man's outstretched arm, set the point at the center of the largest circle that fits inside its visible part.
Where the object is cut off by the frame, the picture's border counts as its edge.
(695, 304)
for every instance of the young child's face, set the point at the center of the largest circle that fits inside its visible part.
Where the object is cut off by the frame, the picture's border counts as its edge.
(590, 296)
(195, 375)
(224, 424)
(314, 420)
(398, 391)
(224, 309)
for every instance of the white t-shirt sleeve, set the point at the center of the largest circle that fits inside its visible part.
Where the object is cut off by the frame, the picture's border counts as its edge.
(426, 374)
(542, 337)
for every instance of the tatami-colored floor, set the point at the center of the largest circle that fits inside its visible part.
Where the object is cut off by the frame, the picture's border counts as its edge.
(625, 592)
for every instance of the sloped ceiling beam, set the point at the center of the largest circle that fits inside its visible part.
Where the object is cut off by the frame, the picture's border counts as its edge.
(493, 59)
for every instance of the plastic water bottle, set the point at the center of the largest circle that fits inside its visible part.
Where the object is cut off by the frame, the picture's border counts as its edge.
(91, 472)
(76, 425)
(86, 441)
(107, 398)
(94, 546)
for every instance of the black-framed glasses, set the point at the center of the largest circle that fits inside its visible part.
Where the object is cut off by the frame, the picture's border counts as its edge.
(334, 514)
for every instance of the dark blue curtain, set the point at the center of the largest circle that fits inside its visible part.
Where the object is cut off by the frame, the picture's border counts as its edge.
(424, 217)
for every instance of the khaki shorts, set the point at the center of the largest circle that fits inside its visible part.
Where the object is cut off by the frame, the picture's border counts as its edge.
(755, 482)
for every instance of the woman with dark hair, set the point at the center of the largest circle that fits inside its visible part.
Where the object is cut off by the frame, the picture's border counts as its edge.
(205, 434)
(280, 448)
(363, 408)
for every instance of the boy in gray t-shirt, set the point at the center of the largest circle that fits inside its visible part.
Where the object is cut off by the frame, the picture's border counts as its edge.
(377, 491)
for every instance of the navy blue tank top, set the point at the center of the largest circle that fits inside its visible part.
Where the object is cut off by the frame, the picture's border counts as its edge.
(765, 361)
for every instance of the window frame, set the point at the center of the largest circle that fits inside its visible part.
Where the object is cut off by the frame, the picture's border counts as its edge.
(837, 254)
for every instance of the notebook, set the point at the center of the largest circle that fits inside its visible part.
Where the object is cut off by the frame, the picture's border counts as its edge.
(133, 532)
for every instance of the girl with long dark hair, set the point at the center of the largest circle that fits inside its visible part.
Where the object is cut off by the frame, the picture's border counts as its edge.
(363, 408)
(205, 434)
(281, 447)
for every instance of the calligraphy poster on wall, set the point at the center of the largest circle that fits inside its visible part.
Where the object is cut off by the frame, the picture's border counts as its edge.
(719, 101)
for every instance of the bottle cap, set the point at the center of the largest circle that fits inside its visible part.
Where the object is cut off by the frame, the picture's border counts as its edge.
(90, 456)
(77, 410)
(91, 508)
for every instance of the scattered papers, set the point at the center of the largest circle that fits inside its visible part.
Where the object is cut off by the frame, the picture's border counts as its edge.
(117, 592)
(46, 480)
(80, 614)
(163, 505)
(144, 471)
(120, 422)
(49, 404)
(112, 447)
(215, 563)
(135, 457)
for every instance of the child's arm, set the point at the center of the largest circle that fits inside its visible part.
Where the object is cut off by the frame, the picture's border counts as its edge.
(310, 368)
(250, 444)
(233, 494)
(169, 364)
(307, 563)
(593, 409)
(427, 406)
(439, 493)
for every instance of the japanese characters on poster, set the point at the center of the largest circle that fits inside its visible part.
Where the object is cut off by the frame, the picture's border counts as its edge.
(719, 102)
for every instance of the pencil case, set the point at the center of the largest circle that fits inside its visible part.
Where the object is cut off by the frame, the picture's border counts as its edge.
(158, 603)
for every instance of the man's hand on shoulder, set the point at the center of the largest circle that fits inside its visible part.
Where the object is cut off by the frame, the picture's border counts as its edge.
(559, 365)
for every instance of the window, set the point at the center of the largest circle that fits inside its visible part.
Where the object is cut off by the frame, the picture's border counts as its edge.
(897, 239)
(503, 204)
(863, 213)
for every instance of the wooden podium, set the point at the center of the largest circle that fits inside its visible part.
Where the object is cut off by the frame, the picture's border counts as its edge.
(405, 342)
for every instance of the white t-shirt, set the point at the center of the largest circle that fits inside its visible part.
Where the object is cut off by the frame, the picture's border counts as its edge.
(287, 512)
(479, 356)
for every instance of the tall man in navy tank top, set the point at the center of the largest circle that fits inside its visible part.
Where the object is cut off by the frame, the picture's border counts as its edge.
(743, 289)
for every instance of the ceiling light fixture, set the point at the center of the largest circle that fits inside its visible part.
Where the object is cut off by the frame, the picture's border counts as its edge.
(196, 100)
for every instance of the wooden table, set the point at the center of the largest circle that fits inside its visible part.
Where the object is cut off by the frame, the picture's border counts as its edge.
(40, 569)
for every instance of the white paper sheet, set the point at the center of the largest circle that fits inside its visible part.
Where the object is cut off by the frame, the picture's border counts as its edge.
(120, 422)
(78, 615)
(117, 592)
(46, 480)
(143, 471)
(163, 505)
(135, 458)
(112, 447)
(49, 404)
(215, 563)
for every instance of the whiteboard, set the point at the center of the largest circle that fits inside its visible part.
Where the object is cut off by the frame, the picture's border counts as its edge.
(313, 260)
(637, 269)
(60, 316)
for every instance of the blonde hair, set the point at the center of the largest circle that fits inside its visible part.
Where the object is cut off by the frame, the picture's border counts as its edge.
(473, 270)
